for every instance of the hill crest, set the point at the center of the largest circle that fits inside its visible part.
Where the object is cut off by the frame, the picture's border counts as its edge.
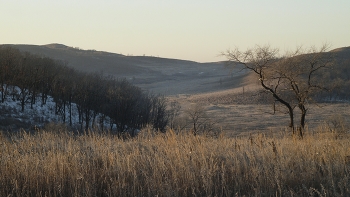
(156, 74)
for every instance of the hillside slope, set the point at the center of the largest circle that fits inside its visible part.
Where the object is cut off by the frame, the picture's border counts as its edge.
(159, 75)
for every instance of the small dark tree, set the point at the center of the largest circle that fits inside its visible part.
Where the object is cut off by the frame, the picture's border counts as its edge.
(23, 79)
(9, 61)
(197, 116)
(160, 118)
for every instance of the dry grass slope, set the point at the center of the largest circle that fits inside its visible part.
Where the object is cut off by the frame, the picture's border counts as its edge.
(58, 163)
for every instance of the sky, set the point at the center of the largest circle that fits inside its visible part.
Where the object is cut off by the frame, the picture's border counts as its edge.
(197, 30)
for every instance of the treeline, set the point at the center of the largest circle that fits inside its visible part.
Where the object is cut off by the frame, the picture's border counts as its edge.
(99, 100)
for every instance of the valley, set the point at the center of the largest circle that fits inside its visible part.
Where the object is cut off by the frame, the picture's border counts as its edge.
(231, 97)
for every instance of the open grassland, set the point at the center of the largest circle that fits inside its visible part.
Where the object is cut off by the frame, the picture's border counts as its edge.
(243, 111)
(58, 163)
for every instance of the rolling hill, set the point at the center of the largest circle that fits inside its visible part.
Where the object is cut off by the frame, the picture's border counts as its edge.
(165, 76)
(214, 85)
(159, 75)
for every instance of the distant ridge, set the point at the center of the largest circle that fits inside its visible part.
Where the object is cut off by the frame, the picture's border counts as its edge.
(159, 75)
(56, 46)
(342, 49)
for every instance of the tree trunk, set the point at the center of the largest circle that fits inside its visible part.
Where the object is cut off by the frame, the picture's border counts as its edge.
(23, 99)
(302, 119)
(87, 119)
(64, 112)
(194, 128)
(32, 102)
(70, 111)
(291, 117)
(111, 122)
(279, 99)
(4, 92)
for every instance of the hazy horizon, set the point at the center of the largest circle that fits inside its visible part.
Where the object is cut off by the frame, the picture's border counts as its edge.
(190, 30)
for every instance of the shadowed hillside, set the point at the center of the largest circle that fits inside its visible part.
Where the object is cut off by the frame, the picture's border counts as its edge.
(163, 75)
(159, 75)
(232, 98)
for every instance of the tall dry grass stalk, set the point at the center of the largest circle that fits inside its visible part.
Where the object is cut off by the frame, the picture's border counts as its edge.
(58, 163)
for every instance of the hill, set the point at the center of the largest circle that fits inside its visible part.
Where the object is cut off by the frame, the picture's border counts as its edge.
(159, 75)
(165, 76)
(215, 86)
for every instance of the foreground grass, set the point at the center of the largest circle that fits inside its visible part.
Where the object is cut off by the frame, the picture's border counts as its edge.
(57, 163)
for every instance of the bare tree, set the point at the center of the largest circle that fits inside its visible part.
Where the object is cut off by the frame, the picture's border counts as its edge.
(9, 60)
(30, 76)
(159, 114)
(199, 119)
(292, 79)
(173, 113)
(23, 79)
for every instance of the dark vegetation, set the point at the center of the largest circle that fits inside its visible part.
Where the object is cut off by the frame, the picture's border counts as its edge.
(30, 78)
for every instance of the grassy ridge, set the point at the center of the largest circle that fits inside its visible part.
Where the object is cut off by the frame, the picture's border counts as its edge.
(57, 163)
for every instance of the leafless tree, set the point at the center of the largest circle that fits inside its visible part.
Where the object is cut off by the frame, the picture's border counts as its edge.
(291, 79)
(173, 113)
(9, 60)
(199, 119)
(31, 76)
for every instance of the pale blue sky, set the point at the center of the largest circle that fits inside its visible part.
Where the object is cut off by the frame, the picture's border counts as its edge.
(185, 29)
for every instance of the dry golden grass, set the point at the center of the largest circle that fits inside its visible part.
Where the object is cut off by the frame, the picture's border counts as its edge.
(58, 163)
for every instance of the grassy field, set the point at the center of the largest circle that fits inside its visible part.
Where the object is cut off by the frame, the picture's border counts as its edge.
(241, 114)
(58, 163)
